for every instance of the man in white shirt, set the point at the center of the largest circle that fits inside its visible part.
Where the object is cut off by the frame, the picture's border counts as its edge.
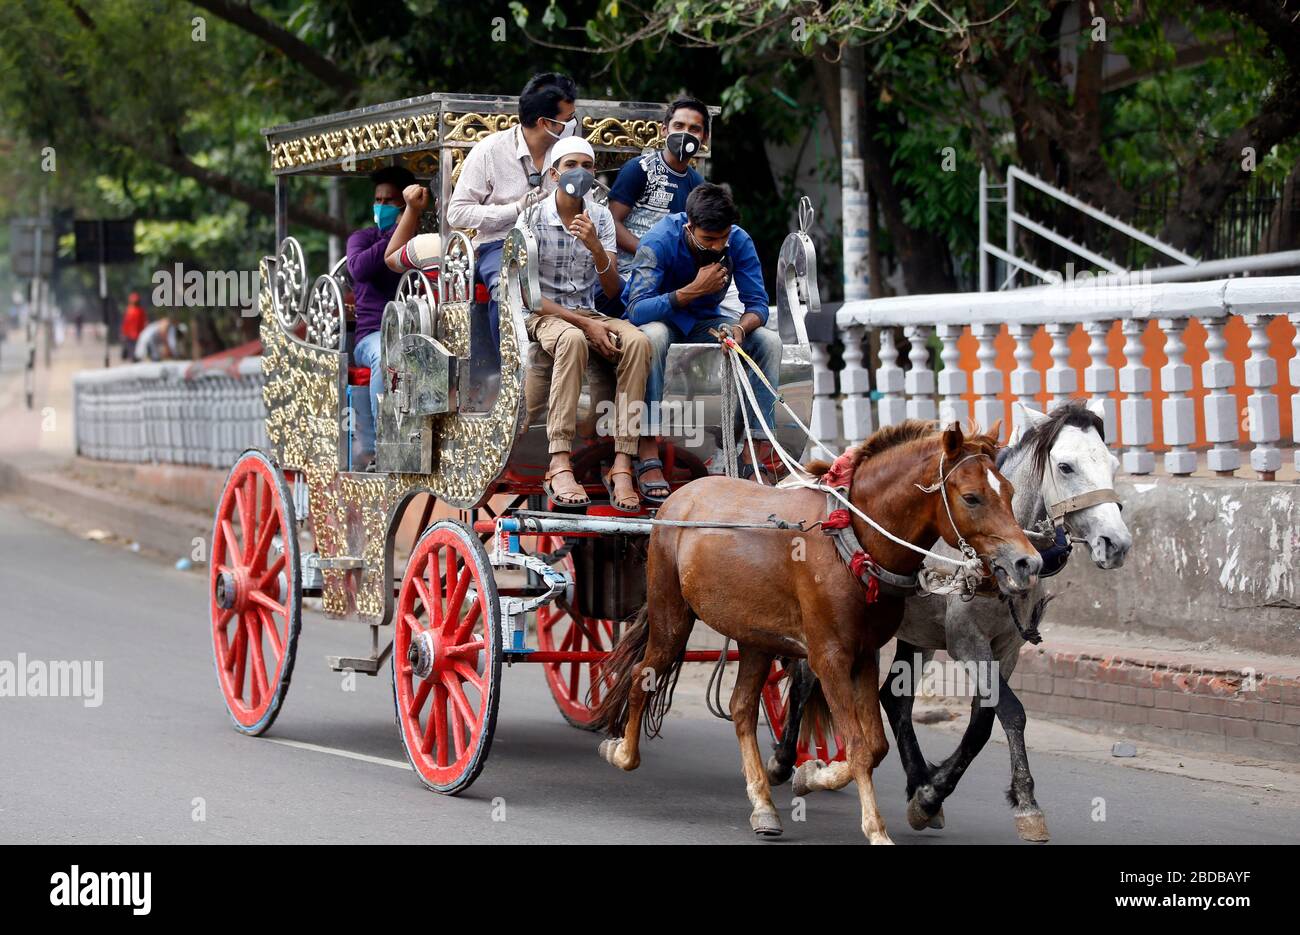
(575, 254)
(506, 173)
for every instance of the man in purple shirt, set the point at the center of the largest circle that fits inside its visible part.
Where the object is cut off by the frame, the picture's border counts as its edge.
(373, 286)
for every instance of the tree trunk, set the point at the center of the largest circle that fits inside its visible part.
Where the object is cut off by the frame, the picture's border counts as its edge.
(1283, 233)
(922, 255)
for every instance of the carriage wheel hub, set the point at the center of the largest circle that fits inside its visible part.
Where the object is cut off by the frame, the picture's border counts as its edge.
(226, 591)
(421, 655)
(232, 588)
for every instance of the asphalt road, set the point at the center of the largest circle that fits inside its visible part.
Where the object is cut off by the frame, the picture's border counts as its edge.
(134, 768)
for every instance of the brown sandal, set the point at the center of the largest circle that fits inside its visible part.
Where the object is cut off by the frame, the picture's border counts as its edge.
(563, 499)
(623, 506)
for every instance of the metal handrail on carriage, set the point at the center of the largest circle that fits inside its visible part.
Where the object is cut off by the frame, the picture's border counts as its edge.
(458, 426)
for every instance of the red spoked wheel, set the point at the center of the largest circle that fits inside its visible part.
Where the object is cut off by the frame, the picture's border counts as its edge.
(775, 703)
(447, 657)
(255, 589)
(577, 687)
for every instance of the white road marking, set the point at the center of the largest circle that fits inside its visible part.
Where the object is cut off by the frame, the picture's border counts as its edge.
(993, 482)
(363, 757)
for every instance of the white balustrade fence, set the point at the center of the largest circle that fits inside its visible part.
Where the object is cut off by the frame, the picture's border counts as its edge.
(153, 413)
(1058, 310)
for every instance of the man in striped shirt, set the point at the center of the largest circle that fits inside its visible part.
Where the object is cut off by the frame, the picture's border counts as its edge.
(575, 255)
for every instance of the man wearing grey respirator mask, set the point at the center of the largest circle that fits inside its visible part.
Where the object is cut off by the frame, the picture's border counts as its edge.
(575, 255)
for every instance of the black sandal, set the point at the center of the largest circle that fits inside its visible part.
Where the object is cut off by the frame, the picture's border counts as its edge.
(745, 471)
(646, 487)
(562, 500)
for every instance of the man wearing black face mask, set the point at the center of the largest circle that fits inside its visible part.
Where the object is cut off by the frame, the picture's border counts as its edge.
(653, 186)
(675, 294)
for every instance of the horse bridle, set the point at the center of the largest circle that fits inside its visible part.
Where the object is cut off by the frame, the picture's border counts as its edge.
(1059, 508)
(1055, 527)
(941, 485)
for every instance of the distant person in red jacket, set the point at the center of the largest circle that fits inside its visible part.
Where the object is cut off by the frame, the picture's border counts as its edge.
(134, 320)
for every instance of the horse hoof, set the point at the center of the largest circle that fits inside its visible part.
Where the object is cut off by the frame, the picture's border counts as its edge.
(881, 838)
(610, 749)
(803, 774)
(1032, 826)
(777, 772)
(766, 824)
(936, 820)
(918, 817)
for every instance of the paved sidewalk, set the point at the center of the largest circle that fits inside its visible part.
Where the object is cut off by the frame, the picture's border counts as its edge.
(38, 463)
(43, 435)
(1186, 695)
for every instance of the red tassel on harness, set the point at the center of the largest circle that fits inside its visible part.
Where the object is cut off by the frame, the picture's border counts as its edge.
(838, 519)
(841, 471)
(859, 565)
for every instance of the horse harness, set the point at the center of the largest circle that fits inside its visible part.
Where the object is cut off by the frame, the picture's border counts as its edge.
(874, 579)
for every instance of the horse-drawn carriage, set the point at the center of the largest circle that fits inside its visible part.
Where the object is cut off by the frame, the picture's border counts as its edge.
(460, 428)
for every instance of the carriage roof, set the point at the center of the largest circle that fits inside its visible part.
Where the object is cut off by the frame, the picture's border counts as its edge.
(419, 128)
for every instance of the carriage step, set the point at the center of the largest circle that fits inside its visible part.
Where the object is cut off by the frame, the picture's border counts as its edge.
(313, 582)
(370, 665)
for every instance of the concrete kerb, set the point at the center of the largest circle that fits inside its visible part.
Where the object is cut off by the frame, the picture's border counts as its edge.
(168, 529)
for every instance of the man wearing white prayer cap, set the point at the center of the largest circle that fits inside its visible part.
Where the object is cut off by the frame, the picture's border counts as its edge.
(576, 253)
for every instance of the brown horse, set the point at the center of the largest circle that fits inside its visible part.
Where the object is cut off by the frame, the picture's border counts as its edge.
(782, 593)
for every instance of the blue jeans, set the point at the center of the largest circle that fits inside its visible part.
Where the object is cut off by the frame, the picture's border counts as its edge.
(487, 269)
(366, 354)
(763, 345)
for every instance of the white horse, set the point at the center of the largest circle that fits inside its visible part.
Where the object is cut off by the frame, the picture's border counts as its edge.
(1064, 478)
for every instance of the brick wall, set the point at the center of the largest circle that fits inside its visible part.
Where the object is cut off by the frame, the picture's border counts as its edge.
(1181, 705)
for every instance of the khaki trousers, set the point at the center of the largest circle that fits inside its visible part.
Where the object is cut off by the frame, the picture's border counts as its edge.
(568, 345)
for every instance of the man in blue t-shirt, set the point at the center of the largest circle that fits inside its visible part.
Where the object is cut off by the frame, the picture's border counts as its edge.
(682, 272)
(653, 186)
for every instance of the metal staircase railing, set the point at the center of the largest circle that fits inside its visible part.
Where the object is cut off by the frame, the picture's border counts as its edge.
(988, 194)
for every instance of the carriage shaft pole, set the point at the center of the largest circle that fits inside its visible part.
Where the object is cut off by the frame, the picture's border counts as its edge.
(694, 655)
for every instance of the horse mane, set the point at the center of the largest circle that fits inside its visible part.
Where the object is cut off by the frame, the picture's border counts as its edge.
(1039, 439)
(900, 433)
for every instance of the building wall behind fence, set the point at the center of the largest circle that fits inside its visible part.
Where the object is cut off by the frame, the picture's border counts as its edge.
(1281, 334)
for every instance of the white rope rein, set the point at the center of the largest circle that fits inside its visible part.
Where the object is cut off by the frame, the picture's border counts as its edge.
(968, 562)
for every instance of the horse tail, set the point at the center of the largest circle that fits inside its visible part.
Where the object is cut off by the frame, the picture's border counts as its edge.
(610, 714)
(816, 715)
(622, 667)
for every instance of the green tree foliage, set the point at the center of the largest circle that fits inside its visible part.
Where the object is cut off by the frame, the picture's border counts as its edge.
(153, 107)
(1029, 82)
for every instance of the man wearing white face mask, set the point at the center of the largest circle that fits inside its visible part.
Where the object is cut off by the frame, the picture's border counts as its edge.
(506, 173)
(575, 259)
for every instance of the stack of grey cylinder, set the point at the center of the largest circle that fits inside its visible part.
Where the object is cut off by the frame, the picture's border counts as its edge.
(165, 413)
